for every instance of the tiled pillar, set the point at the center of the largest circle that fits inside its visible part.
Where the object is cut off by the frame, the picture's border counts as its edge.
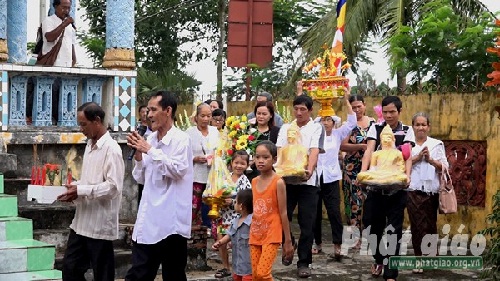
(124, 103)
(119, 35)
(18, 94)
(67, 102)
(4, 54)
(17, 35)
(92, 90)
(71, 13)
(42, 101)
(4, 101)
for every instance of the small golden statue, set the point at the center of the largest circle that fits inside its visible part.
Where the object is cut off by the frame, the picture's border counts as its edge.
(387, 166)
(292, 158)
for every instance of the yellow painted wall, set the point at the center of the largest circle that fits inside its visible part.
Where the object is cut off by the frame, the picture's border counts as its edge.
(453, 117)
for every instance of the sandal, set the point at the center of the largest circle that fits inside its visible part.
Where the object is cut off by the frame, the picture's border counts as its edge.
(316, 249)
(377, 270)
(221, 273)
(304, 272)
(337, 253)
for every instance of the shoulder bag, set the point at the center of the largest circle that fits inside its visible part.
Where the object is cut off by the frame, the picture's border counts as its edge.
(51, 56)
(447, 197)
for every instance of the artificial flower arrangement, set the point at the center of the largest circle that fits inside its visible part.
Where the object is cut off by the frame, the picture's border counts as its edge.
(240, 136)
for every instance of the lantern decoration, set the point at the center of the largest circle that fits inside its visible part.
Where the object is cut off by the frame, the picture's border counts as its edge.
(329, 84)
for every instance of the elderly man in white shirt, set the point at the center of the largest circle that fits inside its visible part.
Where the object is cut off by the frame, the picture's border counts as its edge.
(52, 28)
(164, 165)
(97, 196)
(304, 193)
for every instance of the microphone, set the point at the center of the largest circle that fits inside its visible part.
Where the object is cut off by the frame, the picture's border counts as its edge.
(141, 130)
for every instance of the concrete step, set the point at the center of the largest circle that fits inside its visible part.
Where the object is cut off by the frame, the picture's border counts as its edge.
(8, 205)
(32, 276)
(15, 228)
(59, 238)
(18, 187)
(56, 216)
(26, 255)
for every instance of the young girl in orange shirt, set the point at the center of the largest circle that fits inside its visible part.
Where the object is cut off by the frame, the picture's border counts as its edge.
(269, 221)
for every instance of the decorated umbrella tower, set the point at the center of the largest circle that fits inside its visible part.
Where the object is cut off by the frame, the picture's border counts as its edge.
(328, 84)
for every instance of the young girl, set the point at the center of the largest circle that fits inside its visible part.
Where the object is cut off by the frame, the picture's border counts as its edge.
(270, 219)
(239, 163)
(238, 234)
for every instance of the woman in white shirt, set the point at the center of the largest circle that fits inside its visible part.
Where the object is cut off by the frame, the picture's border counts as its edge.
(428, 158)
(330, 175)
(204, 140)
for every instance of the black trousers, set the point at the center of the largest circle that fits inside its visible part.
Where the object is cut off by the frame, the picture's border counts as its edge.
(381, 211)
(170, 252)
(306, 197)
(84, 251)
(329, 193)
(139, 194)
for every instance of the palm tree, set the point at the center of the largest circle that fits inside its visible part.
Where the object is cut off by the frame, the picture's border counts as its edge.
(182, 84)
(380, 18)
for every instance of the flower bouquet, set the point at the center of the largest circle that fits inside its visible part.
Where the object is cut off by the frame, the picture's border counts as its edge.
(240, 136)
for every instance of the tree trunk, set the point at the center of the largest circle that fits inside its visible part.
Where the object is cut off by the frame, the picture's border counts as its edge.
(401, 80)
(220, 52)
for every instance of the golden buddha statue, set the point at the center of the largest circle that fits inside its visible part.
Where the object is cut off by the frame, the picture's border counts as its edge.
(387, 166)
(292, 158)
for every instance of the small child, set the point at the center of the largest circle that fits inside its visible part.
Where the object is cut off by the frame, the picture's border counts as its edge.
(238, 235)
(270, 220)
(239, 163)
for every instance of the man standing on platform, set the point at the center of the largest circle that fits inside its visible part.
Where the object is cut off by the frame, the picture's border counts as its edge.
(59, 36)
(97, 196)
(164, 165)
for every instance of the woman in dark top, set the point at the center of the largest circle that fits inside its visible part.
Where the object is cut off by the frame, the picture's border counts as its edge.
(264, 123)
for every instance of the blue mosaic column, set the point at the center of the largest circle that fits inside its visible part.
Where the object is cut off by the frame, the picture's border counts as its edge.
(4, 93)
(71, 13)
(18, 94)
(17, 35)
(4, 54)
(67, 102)
(119, 35)
(124, 103)
(42, 101)
(92, 90)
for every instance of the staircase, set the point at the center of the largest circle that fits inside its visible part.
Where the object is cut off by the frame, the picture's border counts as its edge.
(21, 257)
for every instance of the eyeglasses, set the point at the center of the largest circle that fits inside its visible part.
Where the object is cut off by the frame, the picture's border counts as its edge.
(218, 120)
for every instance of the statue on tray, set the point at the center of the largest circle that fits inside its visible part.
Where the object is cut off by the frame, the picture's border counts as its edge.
(387, 166)
(292, 158)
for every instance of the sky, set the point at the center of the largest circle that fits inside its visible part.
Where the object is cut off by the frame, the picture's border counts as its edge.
(205, 71)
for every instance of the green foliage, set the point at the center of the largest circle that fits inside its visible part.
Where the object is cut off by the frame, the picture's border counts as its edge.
(161, 28)
(440, 46)
(95, 48)
(31, 47)
(177, 82)
(492, 257)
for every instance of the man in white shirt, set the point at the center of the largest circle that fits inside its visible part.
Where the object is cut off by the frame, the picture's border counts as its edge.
(53, 27)
(164, 165)
(97, 196)
(304, 193)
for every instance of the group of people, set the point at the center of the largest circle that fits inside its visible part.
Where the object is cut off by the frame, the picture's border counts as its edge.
(173, 168)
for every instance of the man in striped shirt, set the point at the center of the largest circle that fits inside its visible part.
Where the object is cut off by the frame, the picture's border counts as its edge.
(97, 196)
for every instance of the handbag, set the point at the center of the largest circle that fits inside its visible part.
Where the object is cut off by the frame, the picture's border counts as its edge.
(447, 197)
(51, 56)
